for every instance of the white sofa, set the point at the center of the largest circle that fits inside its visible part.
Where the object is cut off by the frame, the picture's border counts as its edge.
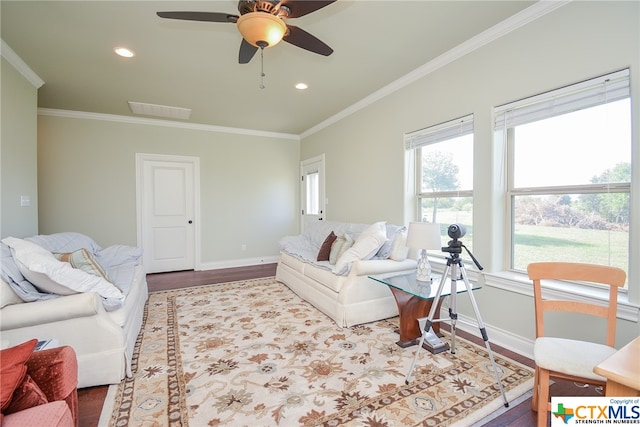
(102, 331)
(347, 296)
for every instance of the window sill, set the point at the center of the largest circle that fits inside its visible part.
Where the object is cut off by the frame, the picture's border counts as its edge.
(519, 283)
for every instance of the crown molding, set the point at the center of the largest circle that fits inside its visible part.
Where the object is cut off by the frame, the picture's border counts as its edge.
(166, 123)
(12, 58)
(530, 14)
(520, 19)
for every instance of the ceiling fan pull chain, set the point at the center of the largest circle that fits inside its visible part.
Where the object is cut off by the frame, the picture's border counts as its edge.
(262, 67)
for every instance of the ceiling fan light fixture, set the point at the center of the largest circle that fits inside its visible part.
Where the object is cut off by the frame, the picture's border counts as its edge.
(258, 28)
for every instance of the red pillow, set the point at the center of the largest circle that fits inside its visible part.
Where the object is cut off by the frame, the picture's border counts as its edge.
(325, 248)
(26, 396)
(13, 369)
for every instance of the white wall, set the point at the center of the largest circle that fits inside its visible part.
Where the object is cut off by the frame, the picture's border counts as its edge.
(365, 158)
(249, 184)
(18, 173)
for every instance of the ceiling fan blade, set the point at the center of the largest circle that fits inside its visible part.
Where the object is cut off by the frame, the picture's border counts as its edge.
(247, 51)
(303, 7)
(200, 16)
(299, 37)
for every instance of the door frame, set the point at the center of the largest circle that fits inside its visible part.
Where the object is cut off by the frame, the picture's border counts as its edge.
(322, 201)
(141, 158)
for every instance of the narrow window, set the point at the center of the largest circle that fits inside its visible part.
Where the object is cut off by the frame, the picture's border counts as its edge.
(444, 174)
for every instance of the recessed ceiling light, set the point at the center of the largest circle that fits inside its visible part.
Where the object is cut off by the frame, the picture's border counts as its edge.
(124, 52)
(301, 86)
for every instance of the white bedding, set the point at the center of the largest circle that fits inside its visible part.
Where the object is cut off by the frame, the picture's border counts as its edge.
(119, 261)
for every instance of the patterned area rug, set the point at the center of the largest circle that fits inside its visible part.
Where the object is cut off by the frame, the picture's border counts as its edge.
(252, 353)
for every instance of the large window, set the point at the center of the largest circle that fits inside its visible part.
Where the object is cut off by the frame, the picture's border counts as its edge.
(444, 175)
(569, 173)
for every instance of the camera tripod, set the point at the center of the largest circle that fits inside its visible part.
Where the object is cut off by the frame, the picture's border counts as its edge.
(455, 265)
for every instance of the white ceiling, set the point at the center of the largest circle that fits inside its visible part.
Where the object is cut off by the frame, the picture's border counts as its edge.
(69, 45)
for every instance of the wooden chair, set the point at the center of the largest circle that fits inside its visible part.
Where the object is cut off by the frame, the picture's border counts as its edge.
(563, 358)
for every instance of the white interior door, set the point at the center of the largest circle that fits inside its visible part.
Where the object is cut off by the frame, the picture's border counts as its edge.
(312, 190)
(167, 212)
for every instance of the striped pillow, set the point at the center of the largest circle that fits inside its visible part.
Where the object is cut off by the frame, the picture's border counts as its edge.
(83, 260)
(340, 246)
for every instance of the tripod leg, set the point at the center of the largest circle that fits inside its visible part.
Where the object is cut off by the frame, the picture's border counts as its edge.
(428, 323)
(453, 314)
(485, 337)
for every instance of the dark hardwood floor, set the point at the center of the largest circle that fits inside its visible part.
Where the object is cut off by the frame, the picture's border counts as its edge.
(91, 399)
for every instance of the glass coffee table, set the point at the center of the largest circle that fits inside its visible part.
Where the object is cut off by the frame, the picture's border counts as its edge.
(414, 299)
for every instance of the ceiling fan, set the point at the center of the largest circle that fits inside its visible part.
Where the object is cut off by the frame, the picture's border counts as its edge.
(261, 23)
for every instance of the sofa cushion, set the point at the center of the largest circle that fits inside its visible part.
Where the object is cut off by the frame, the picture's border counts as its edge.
(293, 262)
(52, 414)
(339, 247)
(41, 268)
(325, 248)
(13, 367)
(326, 278)
(365, 247)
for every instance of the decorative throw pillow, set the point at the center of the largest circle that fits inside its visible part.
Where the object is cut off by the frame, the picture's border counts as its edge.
(27, 395)
(13, 369)
(400, 250)
(340, 245)
(365, 247)
(325, 249)
(392, 234)
(83, 260)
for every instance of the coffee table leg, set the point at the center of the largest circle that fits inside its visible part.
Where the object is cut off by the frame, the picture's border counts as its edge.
(412, 308)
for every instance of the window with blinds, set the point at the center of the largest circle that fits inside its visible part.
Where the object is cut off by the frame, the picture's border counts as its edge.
(569, 173)
(444, 174)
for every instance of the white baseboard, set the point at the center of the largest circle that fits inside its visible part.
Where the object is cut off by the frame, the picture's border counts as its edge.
(242, 262)
(497, 336)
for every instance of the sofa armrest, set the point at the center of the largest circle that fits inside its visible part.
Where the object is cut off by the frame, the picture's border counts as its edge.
(48, 311)
(381, 266)
(55, 371)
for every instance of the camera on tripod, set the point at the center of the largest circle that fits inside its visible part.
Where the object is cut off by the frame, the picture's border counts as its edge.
(455, 231)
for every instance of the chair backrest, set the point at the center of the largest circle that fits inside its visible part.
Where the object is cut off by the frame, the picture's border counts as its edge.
(601, 274)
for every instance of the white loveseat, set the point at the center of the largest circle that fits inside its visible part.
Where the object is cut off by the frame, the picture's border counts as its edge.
(101, 330)
(340, 288)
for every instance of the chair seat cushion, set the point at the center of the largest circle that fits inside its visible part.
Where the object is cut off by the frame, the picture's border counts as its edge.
(570, 357)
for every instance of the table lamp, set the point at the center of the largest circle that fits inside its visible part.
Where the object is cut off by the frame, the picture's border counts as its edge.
(423, 236)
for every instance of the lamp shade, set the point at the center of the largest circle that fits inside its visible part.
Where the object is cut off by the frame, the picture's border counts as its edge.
(258, 28)
(424, 235)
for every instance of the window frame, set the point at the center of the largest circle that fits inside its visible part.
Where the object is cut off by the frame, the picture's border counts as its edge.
(442, 132)
(582, 95)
